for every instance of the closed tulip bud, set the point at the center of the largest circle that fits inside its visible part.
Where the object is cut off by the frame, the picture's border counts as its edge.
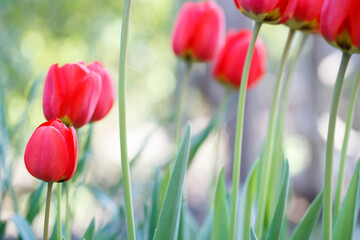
(107, 95)
(71, 93)
(51, 153)
(306, 16)
(198, 31)
(230, 62)
(268, 11)
(339, 24)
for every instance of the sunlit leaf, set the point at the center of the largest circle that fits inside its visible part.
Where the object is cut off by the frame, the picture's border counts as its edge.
(168, 223)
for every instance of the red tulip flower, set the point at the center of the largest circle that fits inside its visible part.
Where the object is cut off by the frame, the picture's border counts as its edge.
(198, 31)
(339, 24)
(269, 11)
(306, 16)
(71, 93)
(107, 95)
(51, 153)
(230, 62)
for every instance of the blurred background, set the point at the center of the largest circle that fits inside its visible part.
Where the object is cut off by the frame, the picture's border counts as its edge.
(36, 34)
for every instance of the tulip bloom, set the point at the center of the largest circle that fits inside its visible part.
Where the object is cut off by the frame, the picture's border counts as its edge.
(198, 31)
(306, 16)
(339, 24)
(107, 95)
(71, 93)
(269, 11)
(229, 65)
(51, 153)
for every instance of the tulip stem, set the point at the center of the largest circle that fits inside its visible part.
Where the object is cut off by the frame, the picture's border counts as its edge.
(47, 210)
(239, 129)
(58, 215)
(68, 212)
(125, 168)
(178, 114)
(327, 215)
(267, 160)
(349, 121)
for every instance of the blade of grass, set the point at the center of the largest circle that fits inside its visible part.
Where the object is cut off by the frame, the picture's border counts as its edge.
(168, 223)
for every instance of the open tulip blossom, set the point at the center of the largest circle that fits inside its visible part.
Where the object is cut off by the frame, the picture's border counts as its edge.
(198, 31)
(229, 65)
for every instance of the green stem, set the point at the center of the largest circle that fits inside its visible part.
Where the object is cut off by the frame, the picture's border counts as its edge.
(58, 215)
(68, 212)
(184, 85)
(47, 210)
(239, 129)
(125, 168)
(349, 121)
(267, 160)
(327, 218)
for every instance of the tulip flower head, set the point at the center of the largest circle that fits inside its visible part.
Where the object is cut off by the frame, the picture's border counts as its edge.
(107, 95)
(230, 62)
(339, 24)
(268, 11)
(198, 31)
(51, 153)
(71, 93)
(306, 16)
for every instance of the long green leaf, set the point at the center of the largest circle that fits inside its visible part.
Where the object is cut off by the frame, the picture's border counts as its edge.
(170, 211)
(220, 230)
(23, 227)
(252, 234)
(154, 206)
(275, 227)
(35, 203)
(346, 220)
(2, 229)
(247, 198)
(307, 223)
(90, 231)
(205, 230)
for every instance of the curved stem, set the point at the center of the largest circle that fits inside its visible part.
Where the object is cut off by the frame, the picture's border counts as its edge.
(267, 161)
(178, 113)
(327, 214)
(349, 121)
(125, 168)
(47, 210)
(58, 215)
(239, 130)
(68, 212)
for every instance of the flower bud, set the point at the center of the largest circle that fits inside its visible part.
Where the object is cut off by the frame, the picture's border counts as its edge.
(306, 16)
(198, 31)
(339, 24)
(268, 11)
(229, 64)
(107, 95)
(51, 153)
(71, 93)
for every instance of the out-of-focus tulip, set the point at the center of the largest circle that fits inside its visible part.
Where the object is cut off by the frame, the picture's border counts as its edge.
(71, 93)
(51, 153)
(306, 16)
(339, 24)
(198, 31)
(230, 62)
(107, 94)
(269, 11)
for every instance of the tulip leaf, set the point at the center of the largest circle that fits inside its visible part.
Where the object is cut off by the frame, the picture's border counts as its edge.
(188, 225)
(346, 220)
(247, 198)
(154, 206)
(220, 230)
(23, 226)
(252, 234)
(168, 223)
(205, 230)
(277, 220)
(2, 229)
(35, 203)
(90, 231)
(104, 199)
(307, 224)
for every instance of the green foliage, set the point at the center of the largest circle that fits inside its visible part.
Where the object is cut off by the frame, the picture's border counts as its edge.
(23, 226)
(35, 203)
(346, 220)
(168, 223)
(90, 231)
(252, 234)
